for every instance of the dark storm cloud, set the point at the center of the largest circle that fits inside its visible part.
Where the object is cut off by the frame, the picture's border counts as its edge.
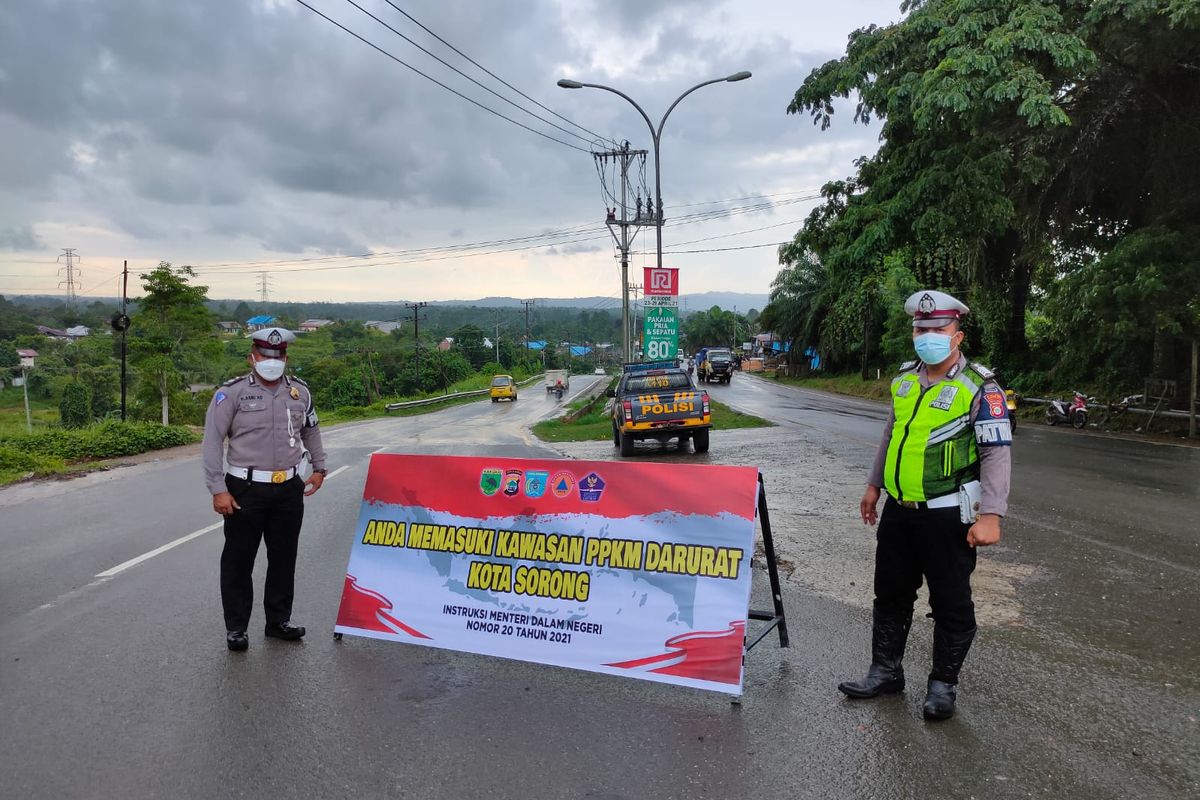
(22, 238)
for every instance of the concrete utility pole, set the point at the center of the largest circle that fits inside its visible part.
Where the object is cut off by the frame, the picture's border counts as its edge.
(528, 305)
(624, 156)
(636, 288)
(71, 274)
(416, 321)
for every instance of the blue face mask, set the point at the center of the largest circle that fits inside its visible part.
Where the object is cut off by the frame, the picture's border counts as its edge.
(933, 348)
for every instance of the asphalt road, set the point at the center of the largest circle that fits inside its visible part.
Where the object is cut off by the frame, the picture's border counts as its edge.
(1082, 683)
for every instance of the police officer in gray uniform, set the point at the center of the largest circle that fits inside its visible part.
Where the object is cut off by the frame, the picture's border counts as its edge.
(269, 421)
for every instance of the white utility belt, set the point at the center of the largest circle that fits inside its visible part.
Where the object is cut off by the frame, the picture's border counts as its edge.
(263, 475)
(966, 499)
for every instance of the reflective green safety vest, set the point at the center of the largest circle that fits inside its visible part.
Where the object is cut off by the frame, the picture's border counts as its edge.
(932, 447)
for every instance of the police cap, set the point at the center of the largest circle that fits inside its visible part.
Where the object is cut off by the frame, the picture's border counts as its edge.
(930, 308)
(272, 342)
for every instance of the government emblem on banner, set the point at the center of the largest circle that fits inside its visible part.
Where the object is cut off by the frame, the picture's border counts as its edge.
(535, 483)
(489, 481)
(562, 485)
(512, 482)
(591, 487)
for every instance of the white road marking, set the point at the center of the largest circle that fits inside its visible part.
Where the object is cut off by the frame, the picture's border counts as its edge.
(133, 562)
(380, 450)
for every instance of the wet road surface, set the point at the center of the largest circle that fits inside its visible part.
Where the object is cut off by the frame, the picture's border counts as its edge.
(1082, 682)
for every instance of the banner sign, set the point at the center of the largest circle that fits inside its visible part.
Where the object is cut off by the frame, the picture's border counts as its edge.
(660, 280)
(660, 332)
(635, 569)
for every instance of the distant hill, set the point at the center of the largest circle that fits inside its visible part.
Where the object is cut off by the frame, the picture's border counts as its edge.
(742, 301)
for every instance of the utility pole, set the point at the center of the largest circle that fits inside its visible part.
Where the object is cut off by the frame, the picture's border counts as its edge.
(636, 288)
(417, 316)
(623, 157)
(25, 389)
(71, 274)
(123, 322)
(528, 304)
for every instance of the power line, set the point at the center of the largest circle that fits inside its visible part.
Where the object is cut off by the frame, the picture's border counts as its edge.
(534, 241)
(448, 65)
(494, 75)
(403, 63)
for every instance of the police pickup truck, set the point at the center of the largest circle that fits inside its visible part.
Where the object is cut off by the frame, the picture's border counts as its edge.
(657, 400)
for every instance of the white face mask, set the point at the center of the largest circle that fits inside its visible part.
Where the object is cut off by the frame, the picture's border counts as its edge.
(269, 369)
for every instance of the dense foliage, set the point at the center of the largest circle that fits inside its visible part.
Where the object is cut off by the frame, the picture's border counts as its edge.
(1039, 158)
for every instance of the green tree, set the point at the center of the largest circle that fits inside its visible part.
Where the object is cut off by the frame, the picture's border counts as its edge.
(75, 407)
(172, 335)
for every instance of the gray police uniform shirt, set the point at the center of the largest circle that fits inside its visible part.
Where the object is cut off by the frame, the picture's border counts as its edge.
(995, 456)
(254, 418)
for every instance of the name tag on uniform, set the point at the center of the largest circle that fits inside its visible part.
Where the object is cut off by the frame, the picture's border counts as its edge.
(945, 398)
(251, 404)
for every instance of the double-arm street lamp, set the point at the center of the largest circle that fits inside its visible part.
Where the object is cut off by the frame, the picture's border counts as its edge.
(656, 135)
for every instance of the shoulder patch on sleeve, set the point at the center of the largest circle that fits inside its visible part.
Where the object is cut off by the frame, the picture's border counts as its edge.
(993, 403)
(219, 398)
(982, 371)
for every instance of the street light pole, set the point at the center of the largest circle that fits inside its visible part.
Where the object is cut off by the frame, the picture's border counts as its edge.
(656, 136)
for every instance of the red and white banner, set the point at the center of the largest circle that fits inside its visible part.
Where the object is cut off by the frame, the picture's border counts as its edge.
(635, 569)
(661, 281)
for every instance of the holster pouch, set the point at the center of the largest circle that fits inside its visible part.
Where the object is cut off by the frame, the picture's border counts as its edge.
(969, 496)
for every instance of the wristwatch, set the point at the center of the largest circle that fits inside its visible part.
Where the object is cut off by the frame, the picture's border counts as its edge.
(321, 472)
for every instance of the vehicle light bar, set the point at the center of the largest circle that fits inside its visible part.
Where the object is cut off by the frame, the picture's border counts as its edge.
(645, 366)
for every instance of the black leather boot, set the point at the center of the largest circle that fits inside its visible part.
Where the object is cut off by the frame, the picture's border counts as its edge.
(886, 674)
(236, 640)
(949, 652)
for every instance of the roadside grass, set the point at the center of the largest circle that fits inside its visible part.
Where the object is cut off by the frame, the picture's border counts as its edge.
(12, 412)
(596, 425)
(852, 385)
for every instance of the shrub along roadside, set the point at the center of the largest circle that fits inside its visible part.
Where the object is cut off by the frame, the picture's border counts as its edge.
(108, 439)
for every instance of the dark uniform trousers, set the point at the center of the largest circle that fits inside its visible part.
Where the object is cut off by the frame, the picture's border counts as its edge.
(271, 512)
(931, 543)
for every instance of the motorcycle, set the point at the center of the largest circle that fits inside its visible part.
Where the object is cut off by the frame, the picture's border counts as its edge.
(1076, 412)
(558, 392)
(1010, 401)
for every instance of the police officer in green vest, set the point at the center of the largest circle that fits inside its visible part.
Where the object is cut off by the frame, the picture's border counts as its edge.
(944, 463)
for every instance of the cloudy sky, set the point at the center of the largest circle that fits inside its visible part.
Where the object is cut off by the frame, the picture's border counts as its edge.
(252, 136)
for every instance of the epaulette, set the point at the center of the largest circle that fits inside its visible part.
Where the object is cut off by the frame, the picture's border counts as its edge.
(232, 381)
(982, 371)
(909, 365)
(298, 380)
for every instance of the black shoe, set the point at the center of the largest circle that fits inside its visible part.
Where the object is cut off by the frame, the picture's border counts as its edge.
(237, 640)
(285, 630)
(880, 680)
(939, 700)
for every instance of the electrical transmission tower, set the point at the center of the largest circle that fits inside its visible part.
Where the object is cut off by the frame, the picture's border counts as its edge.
(417, 316)
(70, 273)
(264, 286)
(608, 164)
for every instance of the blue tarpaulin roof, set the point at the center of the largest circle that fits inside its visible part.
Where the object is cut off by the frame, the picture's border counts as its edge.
(262, 319)
(536, 345)
(580, 350)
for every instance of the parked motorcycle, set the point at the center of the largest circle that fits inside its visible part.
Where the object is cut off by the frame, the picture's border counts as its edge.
(1010, 401)
(1076, 412)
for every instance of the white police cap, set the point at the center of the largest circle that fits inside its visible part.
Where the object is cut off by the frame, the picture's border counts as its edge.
(272, 342)
(930, 308)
